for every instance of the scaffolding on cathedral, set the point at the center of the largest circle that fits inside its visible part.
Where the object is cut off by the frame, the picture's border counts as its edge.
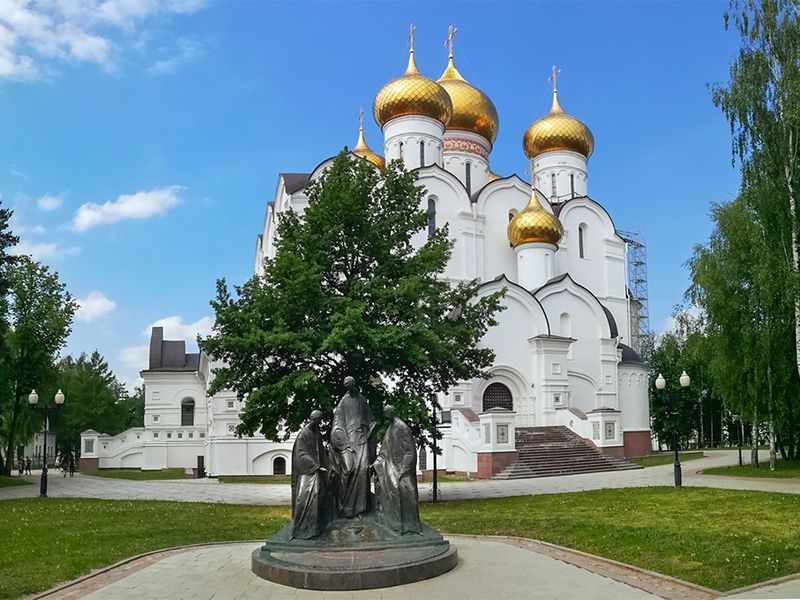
(636, 267)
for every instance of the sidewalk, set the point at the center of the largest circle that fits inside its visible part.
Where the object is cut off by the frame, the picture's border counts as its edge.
(210, 490)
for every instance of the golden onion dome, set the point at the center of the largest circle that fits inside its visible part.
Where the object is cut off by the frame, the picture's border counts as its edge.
(534, 224)
(412, 94)
(557, 131)
(363, 150)
(472, 109)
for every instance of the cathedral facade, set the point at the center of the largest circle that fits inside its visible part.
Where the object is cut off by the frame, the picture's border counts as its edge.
(561, 357)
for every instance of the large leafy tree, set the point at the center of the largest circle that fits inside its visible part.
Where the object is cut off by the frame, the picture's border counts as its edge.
(40, 317)
(349, 293)
(95, 399)
(762, 104)
(7, 241)
(742, 288)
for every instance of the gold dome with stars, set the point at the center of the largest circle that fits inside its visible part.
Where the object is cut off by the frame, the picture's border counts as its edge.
(534, 224)
(412, 94)
(557, 131)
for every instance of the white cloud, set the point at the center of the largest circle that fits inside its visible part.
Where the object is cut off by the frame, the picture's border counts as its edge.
(128, 206)
(135, 358)
(186, 52)
(50, 202)
(45, 251)
(33, 34)
(94, 306)
(176, 329)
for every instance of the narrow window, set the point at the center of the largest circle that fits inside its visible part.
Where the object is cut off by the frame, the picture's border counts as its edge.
(401, 150)
(187, 412)
(431, 216)
(572, 184)
(468, 177)
(582, 241)
(553, 185)
(422, 154)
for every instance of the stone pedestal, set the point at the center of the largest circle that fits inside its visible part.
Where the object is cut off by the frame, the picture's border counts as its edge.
(354, 554)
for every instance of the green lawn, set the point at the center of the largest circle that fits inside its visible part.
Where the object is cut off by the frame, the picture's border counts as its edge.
(665, 458)
(786, 470)
(12, 481)
(136, 474)
(255, 479)
(723, 539)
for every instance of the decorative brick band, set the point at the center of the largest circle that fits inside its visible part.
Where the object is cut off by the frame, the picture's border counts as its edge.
(462, 145)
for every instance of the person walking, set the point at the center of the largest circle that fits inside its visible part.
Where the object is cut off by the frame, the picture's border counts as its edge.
(71, 464)
(64, 465)
(28, 464)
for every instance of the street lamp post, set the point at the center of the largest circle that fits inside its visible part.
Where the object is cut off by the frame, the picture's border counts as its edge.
(33, 399)
(661, 383)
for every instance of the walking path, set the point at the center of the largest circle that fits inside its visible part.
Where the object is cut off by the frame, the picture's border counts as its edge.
(498, 568)
(210, 490)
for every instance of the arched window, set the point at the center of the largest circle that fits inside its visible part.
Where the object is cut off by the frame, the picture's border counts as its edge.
(400, 146)
(422, 154)
(512, 213)
(497, 395)
(187, 412)
(468, 177)
(279, 466)
(572, 184)
(431, 216)
(554, 192)
(582, 240)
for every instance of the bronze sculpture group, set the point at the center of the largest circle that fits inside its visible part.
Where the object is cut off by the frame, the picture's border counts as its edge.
(334, 483)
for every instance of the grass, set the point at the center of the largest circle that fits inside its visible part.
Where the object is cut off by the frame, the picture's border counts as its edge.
(786, 469)
(444, 478)
(665, 459)
(273, 479)
(136, 474)
(12, 481)
(723, 539)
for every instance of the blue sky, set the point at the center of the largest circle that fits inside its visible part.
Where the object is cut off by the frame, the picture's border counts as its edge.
(142, 139)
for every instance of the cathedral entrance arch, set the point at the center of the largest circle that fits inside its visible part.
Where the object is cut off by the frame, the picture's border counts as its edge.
(497, 395)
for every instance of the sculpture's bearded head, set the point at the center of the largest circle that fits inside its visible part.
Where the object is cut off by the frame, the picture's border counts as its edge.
(350, 384)
(315, 418)
(389, 412)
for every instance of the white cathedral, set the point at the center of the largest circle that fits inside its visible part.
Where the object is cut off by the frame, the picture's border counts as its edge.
(561, 356)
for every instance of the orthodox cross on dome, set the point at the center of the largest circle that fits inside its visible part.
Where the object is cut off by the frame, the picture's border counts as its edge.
(451, 33)
(361, 119)
(554, 77)
(411, 31)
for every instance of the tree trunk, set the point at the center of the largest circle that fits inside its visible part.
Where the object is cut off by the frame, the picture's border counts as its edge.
(12, 432)
(773, 461)
(754, 441)
(773, 458)
(789, 175)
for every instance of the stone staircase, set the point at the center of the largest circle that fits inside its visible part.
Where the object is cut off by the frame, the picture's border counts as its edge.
(549, 451)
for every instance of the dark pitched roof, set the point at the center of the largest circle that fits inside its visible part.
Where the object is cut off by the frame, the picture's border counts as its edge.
(295, 181)
(170, 355)
(629, 355)
(612, 322)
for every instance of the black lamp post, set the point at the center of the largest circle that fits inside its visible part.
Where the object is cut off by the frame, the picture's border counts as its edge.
(661, 383)
(33, 399)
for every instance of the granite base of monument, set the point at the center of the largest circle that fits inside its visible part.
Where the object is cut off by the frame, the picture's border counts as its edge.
(354, 554)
